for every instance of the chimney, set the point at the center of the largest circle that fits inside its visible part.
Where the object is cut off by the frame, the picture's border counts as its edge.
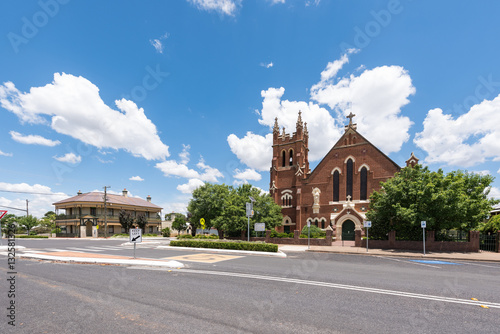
(148, 198)
(79, 192)
(125, 192)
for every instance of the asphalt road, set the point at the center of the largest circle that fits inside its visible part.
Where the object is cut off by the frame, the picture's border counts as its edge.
(304, 293)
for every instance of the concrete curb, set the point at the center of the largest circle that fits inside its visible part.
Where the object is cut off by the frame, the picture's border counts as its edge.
(234, 251)
(166, 264)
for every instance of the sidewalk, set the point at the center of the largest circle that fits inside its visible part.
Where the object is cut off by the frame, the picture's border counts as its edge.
(350, 249)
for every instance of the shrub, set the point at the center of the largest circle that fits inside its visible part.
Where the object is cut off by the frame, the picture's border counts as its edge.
(185, 236)
(32, 236)
(210, 236)
(150, 235)
(120, 235)
(274, 234)
(33, 233)
(166, 232)
(251, 246)
(316, 232)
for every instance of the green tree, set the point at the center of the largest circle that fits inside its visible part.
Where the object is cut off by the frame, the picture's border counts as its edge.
(7, 220)
(28, 222)
(457, 200)
(126, 220)
(48, 221)
(207, 202)
(233, 219)
(179, 223)
(141, 221)
(492, 225)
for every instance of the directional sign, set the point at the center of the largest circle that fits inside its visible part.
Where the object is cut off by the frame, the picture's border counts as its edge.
(2, 213)
(135, 235)
(202, 223)
(368, 223)
(260, 227)
(97, 227)
(249, 210)
(423, 223)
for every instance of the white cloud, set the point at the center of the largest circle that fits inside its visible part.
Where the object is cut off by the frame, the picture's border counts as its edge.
(184, 155)
(498, 171)
(75, 109)
(315, 3)
(69, 158)
(227, 7)
(173, 168)
(158, 44)
(268, 65)
(177, 207)
(136, 178)
(376, 97)
(482, 172)
(33, 139)
(247, 174)
(5, 154)
(38, 204)
(494, 193)
(276, 1)
(469, 139)
(253, 150)
(192, 184)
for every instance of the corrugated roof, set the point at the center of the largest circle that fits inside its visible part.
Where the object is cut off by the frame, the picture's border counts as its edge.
(113, 199)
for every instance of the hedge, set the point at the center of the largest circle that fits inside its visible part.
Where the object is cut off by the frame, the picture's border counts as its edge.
(32, 236)
(251, 246)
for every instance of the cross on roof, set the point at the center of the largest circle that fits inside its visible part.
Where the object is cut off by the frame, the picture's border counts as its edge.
(350, 116)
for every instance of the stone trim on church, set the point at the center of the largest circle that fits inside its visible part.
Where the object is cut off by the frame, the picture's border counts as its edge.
(336, 193)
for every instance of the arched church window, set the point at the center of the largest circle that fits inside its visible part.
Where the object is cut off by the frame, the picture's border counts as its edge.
(336, 184)
(364, 184)
(291, 158)
(283, 163)
(349, 174)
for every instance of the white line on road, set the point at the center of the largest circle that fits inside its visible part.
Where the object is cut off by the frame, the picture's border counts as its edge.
(54, 250)
(105, 247)
(415, 263)
(84, 249)
(344, 287)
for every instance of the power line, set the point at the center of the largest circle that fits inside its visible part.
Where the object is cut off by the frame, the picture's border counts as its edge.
(29, 192)
(9, 207)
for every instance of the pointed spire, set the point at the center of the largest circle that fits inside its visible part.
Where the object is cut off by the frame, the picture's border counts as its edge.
(283, 132)
(305, 129)
(299, 120)
(276, 128)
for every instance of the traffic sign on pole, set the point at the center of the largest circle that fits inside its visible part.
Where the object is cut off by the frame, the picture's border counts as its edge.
(2, 213)
(367, 225)
(423, 223)
(135, 235)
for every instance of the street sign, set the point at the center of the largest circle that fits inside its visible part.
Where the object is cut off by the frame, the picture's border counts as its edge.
(260, 227)
(423, 223)
(368, 223)
(97, 227)
(249, 208)
(202, 223)
(308, 224)
(135, 235)
(2, 213)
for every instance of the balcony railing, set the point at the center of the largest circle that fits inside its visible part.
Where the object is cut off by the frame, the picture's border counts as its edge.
(101, 217)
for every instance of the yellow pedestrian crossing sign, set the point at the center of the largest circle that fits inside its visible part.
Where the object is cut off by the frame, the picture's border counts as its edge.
(202, 223)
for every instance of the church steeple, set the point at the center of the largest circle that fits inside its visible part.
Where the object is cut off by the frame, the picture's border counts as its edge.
(299, 120)
(276, 128)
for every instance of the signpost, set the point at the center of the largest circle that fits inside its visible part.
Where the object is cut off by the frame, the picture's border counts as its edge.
(135, 236)
(249, 207)
(202, 223)
(367, 224)
(308, 235)
(423, 223)
(260, 227)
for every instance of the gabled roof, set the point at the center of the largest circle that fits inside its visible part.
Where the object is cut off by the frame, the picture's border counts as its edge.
(97, 197)
(338, 145)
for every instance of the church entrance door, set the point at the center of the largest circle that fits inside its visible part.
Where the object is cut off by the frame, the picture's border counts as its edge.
(348, 230)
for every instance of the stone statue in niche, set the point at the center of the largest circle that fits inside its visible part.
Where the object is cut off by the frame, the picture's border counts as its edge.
(316, 192)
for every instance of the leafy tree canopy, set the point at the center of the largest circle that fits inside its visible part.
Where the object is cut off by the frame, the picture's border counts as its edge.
(179, 223)
(492, 225)
(224, 207)
(28, 222)
(457, 200)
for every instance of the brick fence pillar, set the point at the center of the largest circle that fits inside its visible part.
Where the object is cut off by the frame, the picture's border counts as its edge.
(268, 236)
(392, 239)
(474, 241)
(357, 238)
(328, 237)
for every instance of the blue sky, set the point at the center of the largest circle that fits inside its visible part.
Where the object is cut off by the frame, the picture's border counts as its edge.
(161, 96)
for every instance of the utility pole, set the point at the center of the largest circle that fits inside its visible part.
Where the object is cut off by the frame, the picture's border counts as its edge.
(27, 210)
(105, 212)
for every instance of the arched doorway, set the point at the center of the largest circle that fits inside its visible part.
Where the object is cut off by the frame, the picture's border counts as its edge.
(88, 230)
(348, 230)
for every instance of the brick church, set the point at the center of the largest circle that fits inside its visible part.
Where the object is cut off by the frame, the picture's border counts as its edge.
(336, 193)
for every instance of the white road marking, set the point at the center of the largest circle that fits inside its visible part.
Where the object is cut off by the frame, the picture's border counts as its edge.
(480, 265)
(53, 250)
(344, 287)
(409, 262)
(84, 249)
(105, 248)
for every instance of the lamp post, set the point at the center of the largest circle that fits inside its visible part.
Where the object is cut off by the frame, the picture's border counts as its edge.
(249, 214)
